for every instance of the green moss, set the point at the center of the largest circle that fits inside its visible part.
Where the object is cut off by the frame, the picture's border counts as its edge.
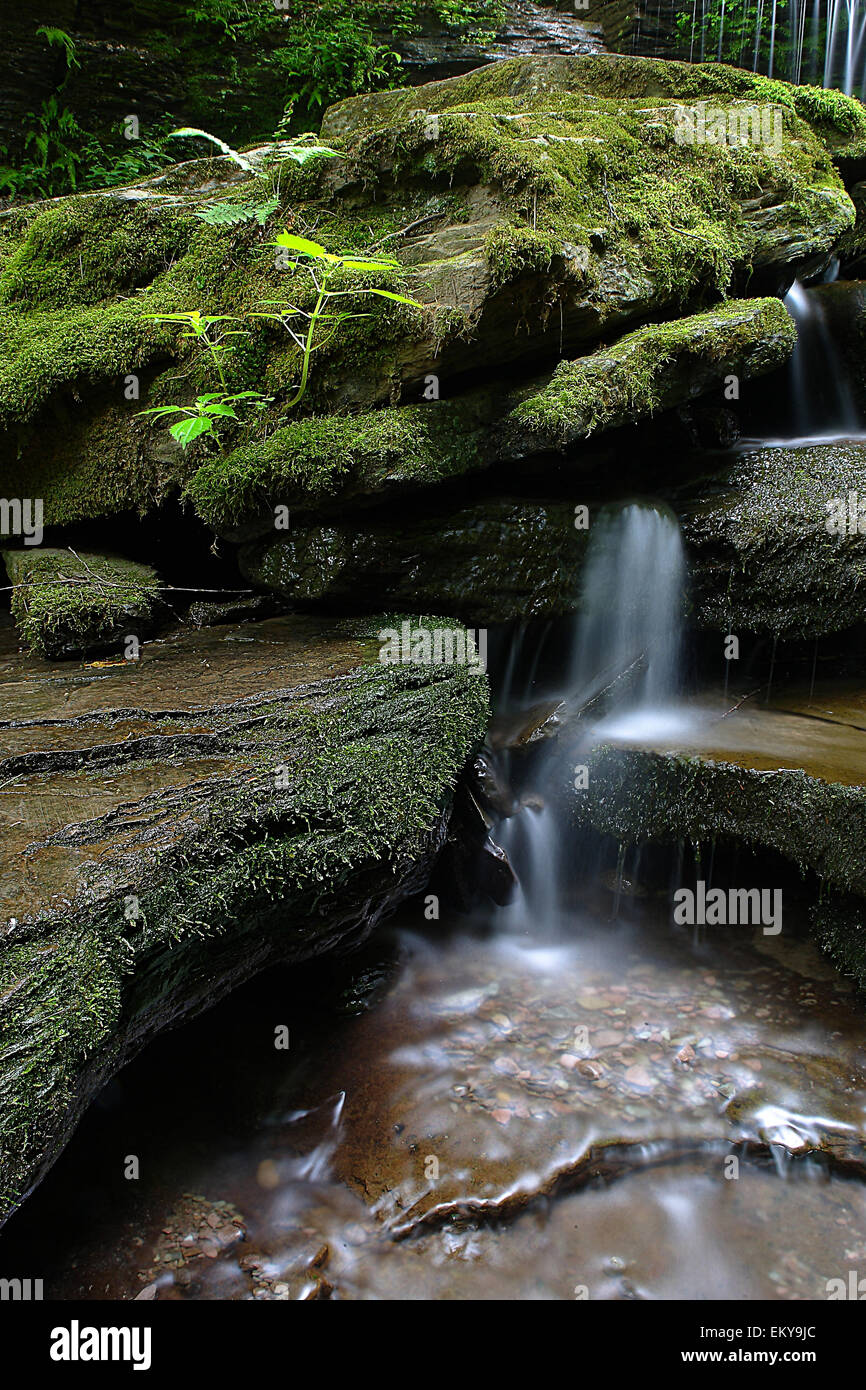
(270, 872)
(577, 171)
(636, 375)
(590, 213)
(65, 603)
(83, 250)
(60, 1000)
(763, 557)
(609, 76)
(638, 796)
(839, 922)
(321, 457)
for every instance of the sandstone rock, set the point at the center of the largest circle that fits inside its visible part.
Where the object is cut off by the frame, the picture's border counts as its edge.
(240, 796)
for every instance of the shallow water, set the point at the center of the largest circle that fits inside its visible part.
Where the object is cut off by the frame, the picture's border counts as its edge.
(468, 1114)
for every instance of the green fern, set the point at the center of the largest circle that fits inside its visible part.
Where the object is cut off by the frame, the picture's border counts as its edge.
(229, 214)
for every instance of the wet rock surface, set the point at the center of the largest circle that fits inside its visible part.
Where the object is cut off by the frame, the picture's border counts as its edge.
(391, 454)
(788, 776)
(772, 542)
(241, 794)
(528, 29)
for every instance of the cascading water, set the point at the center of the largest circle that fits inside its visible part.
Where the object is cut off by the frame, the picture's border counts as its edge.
(630, 606)
(823, 404)
(820, 42)
(843, 56)
(627, 638)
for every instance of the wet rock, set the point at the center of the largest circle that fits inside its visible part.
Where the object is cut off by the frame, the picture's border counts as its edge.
(771, 545)
(788, 782)
(208, 613)
(241, 795)
(521, 233)
(385, 453)
(66, 604)
(527, 28)
(489, 562)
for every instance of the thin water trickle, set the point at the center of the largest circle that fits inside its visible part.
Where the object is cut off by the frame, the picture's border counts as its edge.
(822, 42)
(629, 627)
(823, 406)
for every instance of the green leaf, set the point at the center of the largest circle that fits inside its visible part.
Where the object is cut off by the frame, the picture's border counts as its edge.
(301, 153)
(399, 298)
(188, 130)
(303, 246)
(368, 265)
(229, 214)
(185, 431)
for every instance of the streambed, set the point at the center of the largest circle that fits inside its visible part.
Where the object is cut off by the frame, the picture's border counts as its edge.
(470, 1114)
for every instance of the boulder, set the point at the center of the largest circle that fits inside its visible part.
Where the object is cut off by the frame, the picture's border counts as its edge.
(241, 795)
(66, 604)
(789, 777)
(535, 208)
(324, 463)
(486, 563)
(771, 543)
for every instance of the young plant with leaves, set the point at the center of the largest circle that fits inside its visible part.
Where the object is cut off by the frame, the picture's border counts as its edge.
(201, 417)
(313, 329)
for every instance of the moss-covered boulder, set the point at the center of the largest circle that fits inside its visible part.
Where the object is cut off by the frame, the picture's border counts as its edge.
(533, 208)
(649, 370)
(777, 544)
(324, 462)
(240, 796)
(66, 604)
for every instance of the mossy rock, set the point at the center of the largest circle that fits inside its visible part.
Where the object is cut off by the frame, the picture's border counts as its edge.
(548, 206)
(782, 801)
(763, 556)
(323, 463)
(241, 795)
(66, 604)
(652, 369)
(484, 563)
(841, 118)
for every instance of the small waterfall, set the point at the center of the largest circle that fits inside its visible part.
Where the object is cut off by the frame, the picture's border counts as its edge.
(823, 404)
(630, 621)
(843, 51)
(630, 603)
(820, 42)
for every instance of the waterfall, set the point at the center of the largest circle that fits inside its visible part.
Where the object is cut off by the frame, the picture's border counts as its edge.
(631, 603)
(846, 22)
(814, 41)
(631, 599)
(823, 403)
